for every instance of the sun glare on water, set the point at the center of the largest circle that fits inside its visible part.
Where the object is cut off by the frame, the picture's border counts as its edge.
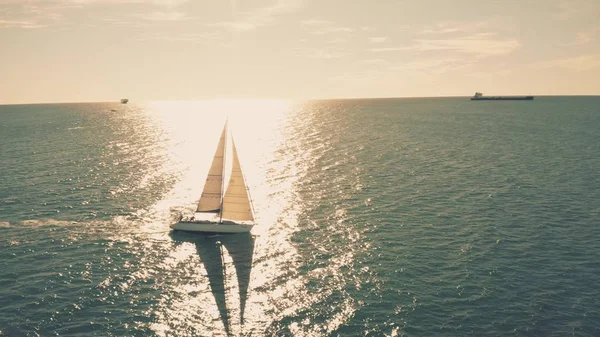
(211, 286)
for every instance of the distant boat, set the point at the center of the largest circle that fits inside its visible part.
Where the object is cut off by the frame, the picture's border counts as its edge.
(217, 213)
(124, 100)
(479, 97)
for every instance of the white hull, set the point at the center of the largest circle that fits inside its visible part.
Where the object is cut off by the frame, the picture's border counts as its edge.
(225, 227)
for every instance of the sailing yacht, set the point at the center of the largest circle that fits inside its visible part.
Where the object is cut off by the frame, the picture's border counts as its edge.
(219, 213)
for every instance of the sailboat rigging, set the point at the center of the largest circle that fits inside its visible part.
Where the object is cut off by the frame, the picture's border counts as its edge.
(232, 211)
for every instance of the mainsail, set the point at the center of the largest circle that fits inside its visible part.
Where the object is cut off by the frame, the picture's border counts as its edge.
(236, 204)
(210, 201)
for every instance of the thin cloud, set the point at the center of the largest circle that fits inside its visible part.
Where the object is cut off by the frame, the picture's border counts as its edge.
(576, 63)
(432, 66)
(576, 9)
(491, 26)
(20, 24)
(261, 17)
(321, 54)
(318, 53)
(322, 27)
(443, 28)
(329, 30)
(197, 38)
(375, 62)
(379, 39)
(237, 26)
(584, 37)
(315, 22)
(361, 76)
(338, 40)
(489, 73)
(388, 49)
(384, 69)
(28, 14)
(162, 16)
(478, 45)
(168, 3)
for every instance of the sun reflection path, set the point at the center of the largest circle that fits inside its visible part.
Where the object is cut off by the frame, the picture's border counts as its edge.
(191, 130)
(187, 274)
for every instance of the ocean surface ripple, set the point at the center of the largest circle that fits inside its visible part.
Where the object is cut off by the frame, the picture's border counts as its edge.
(377, 217)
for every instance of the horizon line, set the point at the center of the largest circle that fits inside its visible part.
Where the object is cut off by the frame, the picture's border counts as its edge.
(286, 99)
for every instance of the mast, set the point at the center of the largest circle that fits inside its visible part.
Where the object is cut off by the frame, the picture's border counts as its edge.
(223, 172)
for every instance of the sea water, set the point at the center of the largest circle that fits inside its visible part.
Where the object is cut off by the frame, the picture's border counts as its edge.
(376, 217)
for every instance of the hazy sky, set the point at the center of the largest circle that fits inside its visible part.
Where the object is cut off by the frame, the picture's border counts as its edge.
(102, 50)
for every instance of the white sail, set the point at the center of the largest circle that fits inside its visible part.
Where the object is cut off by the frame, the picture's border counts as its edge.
(210, 201)
(236, 202)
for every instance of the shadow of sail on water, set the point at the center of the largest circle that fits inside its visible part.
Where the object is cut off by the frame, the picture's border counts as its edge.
(213, 252)
(241, 249)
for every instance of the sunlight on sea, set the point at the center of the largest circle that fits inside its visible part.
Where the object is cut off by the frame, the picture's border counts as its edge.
(375, 217)
(188, 134)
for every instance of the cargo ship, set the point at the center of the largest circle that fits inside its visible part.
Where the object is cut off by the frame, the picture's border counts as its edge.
(479, 97)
